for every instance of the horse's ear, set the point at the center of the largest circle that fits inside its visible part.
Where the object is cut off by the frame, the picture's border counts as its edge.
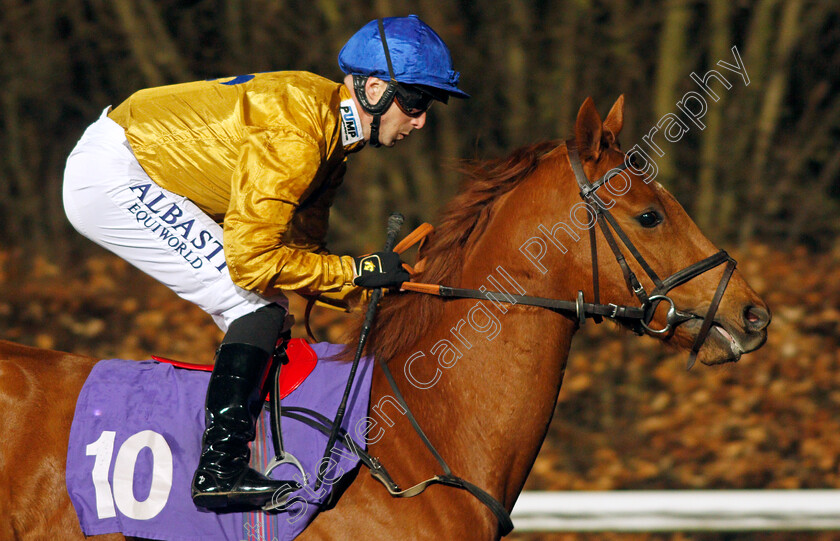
(614, 121)
(588, 130)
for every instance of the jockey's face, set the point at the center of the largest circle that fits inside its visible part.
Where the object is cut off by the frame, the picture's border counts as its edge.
(395, 124)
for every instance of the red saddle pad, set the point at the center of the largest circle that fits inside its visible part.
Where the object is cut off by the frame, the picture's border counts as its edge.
(302, 361)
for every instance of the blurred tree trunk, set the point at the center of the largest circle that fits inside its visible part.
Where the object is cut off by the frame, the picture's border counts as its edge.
(559, 103)
(743, 110)
(165, 50)
(435, 178)
(263, 38)
(26, 27)
(337, 32)
(528, 66)
(16, 172)
(568, 67)
(707, 193)
(670, 70)
(85, 31)
(770, 113)
(517, 35)
(142, 46)
(813, 129)
(384, 8)
(815, 208)
(234, 30)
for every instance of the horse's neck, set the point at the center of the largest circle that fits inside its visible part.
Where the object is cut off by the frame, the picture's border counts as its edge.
(488, 413)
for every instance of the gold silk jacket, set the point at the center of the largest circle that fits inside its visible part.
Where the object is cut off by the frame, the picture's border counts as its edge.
(263, 153)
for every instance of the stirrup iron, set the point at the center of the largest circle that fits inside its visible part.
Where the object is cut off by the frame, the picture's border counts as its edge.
(281, 456)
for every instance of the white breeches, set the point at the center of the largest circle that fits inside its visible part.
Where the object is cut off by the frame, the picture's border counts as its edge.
(110, 199)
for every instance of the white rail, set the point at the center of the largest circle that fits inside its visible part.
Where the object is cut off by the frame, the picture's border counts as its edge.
(667, 510)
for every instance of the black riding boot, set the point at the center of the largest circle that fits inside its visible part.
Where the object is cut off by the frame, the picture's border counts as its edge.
(234, 401)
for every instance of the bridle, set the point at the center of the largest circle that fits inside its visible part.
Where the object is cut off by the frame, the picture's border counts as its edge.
(636, 318)
(661, 289)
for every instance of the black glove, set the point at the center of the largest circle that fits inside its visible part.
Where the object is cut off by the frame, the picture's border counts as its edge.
(380, 269)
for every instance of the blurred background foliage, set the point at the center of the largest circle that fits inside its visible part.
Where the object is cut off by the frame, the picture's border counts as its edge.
(761, 179)
(765, 167)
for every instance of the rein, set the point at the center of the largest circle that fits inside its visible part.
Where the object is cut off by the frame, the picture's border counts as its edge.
(637, 318)
(323, 424)
(332, 428)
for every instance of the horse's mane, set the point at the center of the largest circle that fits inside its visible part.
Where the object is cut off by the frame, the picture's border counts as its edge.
(403, 318)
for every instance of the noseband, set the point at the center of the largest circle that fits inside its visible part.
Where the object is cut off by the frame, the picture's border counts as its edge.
(606, 220)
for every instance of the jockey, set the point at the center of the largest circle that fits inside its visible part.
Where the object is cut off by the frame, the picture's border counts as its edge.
(221, 190)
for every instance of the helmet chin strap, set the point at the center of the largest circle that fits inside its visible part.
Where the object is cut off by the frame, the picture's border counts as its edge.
(374, 132)
(375, 109)
(385, 100)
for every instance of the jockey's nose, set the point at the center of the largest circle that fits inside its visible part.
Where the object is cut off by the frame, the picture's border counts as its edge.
(419, 121)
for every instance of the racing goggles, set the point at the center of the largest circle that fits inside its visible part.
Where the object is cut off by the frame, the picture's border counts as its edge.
(412, 100)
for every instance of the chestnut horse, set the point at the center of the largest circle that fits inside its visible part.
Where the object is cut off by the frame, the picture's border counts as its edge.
(482, 378)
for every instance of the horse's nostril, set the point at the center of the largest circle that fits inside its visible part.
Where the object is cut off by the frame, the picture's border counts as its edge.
(756, 318)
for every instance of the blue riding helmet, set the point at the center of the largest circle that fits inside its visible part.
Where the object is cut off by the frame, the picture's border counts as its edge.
(418, 55)
(408, 54)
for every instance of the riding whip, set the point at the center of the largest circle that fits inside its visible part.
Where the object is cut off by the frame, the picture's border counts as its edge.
(395, 222)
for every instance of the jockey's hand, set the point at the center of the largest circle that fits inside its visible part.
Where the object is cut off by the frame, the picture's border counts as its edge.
(380, 269)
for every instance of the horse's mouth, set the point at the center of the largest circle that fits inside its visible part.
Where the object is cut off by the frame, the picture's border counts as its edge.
(725, 343)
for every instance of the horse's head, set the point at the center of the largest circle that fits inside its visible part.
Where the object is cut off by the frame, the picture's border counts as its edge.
(672, 257)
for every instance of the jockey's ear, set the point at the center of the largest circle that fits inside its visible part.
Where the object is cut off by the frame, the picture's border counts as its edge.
(614, 121)
(374, 88)
(588, 131)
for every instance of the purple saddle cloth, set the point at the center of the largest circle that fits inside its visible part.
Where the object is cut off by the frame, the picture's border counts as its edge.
(136, 438)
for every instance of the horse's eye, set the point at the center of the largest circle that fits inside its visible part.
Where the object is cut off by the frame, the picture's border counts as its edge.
(650, 219)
